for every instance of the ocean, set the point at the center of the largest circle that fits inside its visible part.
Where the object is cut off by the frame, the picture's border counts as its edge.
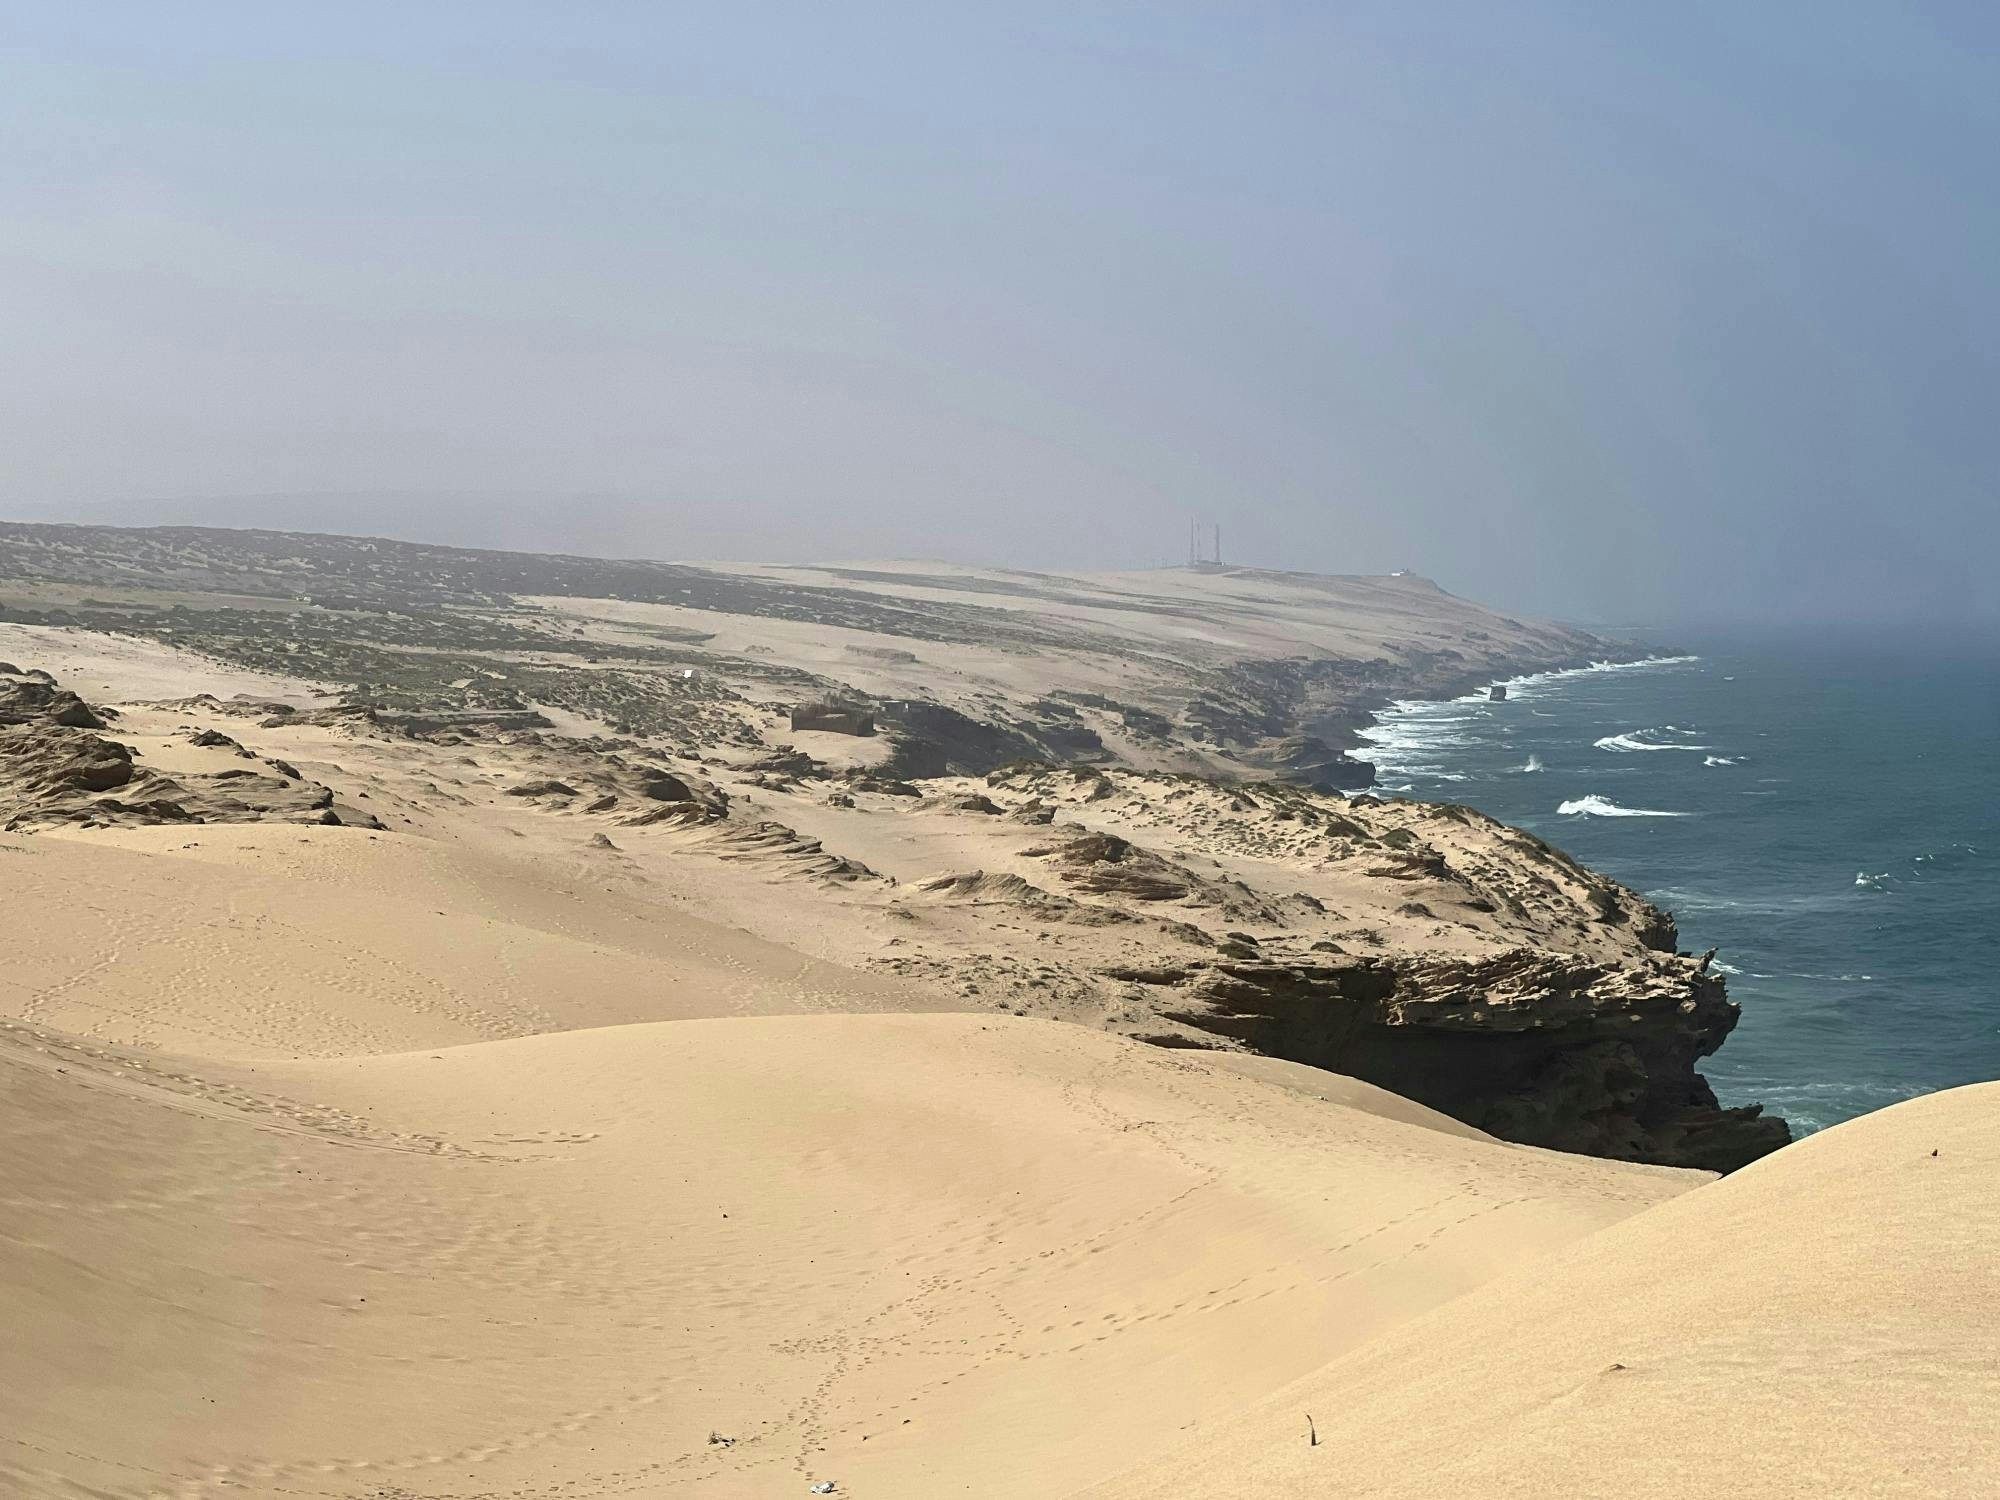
(1824, 811)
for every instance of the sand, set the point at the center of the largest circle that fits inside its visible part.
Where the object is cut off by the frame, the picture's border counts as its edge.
(108, 668)
(915, 1254)
(472, 1158)
(1822, 1323)
(274, 941)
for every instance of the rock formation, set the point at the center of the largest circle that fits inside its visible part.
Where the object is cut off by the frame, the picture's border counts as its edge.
(1307, 760)
(29, 699)
(1543, 1048)
(55, 768)
(832, 718)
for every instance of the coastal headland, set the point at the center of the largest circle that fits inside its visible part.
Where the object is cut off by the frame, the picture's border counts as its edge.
(491, 1024)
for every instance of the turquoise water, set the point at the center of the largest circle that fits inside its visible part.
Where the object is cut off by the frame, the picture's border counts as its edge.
(1825, 812)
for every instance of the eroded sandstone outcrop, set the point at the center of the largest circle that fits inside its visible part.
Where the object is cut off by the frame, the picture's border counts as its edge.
(1547, 1049)
(606, 782)
(33, 699)
(56, 768)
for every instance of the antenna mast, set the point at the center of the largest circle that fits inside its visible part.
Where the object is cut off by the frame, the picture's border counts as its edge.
(1204, 544)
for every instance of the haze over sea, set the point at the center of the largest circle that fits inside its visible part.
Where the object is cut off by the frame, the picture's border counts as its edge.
(1824, 811)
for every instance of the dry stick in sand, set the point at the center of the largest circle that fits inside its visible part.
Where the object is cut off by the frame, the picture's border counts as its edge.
(1312, 1432)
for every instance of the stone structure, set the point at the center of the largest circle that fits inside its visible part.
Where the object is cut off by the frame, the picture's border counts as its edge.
(833, 718)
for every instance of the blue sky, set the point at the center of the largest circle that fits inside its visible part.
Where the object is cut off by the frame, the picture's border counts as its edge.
(1613, 311)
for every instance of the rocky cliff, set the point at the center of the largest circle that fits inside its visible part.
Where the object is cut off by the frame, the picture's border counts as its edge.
(1548, 1049)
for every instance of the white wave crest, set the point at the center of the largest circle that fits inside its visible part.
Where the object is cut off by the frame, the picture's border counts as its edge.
(1527, 684)
(1604, 807)
(1415, 738)
(1868, 882)
(1718, 760)
(1637, 740)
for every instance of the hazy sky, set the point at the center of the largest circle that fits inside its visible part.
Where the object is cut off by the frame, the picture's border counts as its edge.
(1616, 311)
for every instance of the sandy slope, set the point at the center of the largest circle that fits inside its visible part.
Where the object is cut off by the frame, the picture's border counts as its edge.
(478, 1160)
(269, 940)
(1825, 1322)
(106, 667)
(996, 644)
(1226, 613)
(920, 1255)
(332, 1164)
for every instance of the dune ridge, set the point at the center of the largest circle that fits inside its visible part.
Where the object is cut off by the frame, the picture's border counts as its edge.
(894, 1250)
(1821, 1323)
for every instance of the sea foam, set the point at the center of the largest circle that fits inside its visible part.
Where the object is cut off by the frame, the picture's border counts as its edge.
(1527, 684)
(1414, 737)
(1636, 740)
(1604, 807)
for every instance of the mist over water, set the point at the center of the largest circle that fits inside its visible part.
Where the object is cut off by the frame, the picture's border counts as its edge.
(1822, 811)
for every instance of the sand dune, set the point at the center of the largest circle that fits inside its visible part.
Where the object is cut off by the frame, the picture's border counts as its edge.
(347, 1163)
(496, 1157)
(267, 940)
(1824, 1322)
(532, 896)
(918, 1255)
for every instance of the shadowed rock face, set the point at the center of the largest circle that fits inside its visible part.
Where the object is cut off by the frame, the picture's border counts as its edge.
(30, 700)
(1541, 1048)
(42, 764)
(933, 740)
(833, 718)
(1309, 761)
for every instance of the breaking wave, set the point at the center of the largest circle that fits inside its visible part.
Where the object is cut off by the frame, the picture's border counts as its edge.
(1604, 807)
(1718, 760)
(1638, 740)
(1518, 686)
(1419, 738)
